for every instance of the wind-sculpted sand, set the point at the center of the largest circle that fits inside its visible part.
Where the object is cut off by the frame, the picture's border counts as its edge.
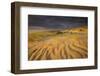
(63, 45)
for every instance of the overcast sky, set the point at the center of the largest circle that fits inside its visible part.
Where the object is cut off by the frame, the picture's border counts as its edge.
(56, 22)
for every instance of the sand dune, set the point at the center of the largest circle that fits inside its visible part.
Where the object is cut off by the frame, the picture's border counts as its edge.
(60, 46)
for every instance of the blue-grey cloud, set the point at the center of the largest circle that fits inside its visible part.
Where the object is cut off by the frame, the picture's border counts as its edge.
(56, 22)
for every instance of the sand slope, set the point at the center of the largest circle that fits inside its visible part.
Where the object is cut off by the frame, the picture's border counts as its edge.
(62, 45)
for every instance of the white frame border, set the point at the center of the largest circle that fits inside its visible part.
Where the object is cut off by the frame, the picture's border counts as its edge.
(25, 64)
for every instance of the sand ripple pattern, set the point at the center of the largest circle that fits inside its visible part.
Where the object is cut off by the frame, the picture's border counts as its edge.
(61, 47)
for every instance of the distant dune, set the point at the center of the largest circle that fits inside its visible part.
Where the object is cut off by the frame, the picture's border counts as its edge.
(77, 30)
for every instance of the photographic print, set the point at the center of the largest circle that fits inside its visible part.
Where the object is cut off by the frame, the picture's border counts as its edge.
(52, 37)
(57, 37)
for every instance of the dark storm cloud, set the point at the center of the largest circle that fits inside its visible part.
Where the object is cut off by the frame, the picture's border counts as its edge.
(56, 22)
